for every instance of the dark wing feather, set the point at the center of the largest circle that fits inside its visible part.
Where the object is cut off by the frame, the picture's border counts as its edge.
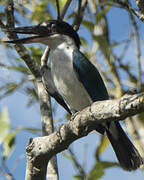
(89, 76)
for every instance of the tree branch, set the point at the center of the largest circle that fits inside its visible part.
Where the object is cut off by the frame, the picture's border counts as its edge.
(140, 4)
(47, 121)
(77, 164)
(58, 9)
(21, 50)
(79, 15)
(45, 106)
(41, 149)
(65, 9)
(9, 13)
(137, 37)
(138, 13)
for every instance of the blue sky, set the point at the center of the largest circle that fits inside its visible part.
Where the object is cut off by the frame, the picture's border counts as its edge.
(20, 115)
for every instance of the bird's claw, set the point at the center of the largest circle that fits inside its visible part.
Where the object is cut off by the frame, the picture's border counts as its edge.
(74, 115)
(131, 91)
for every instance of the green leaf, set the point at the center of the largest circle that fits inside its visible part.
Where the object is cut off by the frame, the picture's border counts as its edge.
(83, 41)
(88, 24)
(107, 164)
(102, 146)
(98, 171)
(9, 142)
(62, 3)
(33, 96)
(20, 68)
(36, 53)
(4, 124)
(67, 156)
(102, 13)
(33, 130)
(41, 11)
(9, 88)
(78, 177)
(141, 117)
(68, 116)
(104, 45)
(72, 15)
(2, 2)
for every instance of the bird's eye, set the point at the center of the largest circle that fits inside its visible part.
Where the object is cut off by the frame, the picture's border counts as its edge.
(53, 27)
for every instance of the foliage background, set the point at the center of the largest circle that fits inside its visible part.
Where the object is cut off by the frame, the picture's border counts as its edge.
(112, 38)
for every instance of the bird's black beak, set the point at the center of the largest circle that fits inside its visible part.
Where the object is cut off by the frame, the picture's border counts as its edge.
(39, 32)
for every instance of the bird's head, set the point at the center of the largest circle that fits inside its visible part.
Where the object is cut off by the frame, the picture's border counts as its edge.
(45, 32)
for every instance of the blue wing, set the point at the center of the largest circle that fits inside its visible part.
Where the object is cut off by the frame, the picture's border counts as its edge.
(50, 87)
(89, 76)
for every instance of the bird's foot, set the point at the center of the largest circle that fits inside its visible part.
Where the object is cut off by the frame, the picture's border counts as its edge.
(74, 115)
(59, 129)
(131, 91)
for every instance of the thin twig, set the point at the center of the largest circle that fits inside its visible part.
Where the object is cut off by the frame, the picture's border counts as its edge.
(133, 129)
(65, 9)
(79, 6)
(126, 46)
(140, 4)
(47, 126)
(76, 163)
(129, 8)
(21, 50)
(137, 135)
(9, 13)
(139, 83)
(79, 15)
(47, 119)
(58, 9)
(44, 57)
(7, 173)
(123, 4)
(109, 55)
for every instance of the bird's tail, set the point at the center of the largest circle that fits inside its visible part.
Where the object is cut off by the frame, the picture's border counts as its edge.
(128, 156)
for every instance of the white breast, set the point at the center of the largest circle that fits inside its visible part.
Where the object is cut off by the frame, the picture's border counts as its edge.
(65, 79)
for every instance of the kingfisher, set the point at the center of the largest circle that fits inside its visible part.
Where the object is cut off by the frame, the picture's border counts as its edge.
(75, 82)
